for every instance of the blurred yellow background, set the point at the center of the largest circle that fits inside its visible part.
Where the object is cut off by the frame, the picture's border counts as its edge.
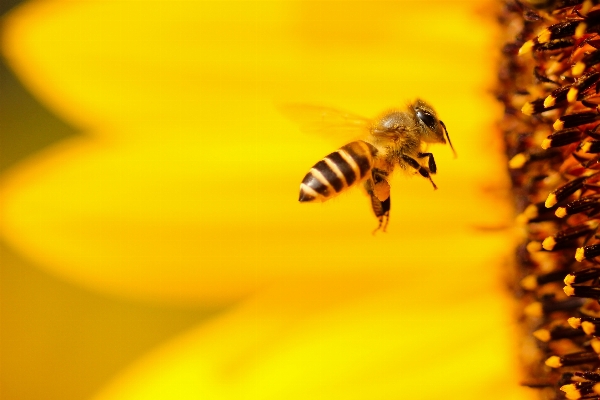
(152, 243)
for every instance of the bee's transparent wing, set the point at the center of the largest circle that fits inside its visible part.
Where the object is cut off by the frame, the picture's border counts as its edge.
(327, 121)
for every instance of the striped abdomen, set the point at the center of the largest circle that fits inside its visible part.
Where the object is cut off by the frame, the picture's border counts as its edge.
(337, 171)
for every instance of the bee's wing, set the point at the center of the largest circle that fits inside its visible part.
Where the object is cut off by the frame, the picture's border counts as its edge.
(326, 121)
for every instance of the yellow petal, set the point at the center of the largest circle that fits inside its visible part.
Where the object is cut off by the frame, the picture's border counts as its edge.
(117, 226)
(183, 189)
(186, 189)
(142, 64)
(371, 346)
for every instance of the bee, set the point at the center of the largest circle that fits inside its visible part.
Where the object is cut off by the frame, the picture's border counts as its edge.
(396, 138)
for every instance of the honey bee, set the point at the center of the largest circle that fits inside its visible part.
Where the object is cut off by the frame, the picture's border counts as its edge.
(396, 138)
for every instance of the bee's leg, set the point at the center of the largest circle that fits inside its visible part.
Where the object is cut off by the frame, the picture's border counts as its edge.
(382, 212)
(431, 161)
(422, 170)
(381, 187)
(379, 190)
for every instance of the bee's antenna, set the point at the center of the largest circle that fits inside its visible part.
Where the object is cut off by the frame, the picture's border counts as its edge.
(448, 137)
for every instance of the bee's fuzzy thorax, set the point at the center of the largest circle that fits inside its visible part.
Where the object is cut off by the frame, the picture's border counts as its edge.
(549, 84)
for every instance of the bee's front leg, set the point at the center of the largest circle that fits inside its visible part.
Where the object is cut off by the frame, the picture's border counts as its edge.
(430, 161)
(378, 189)
(422, 170)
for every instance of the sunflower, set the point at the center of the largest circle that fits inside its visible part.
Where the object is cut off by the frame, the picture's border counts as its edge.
(549, 72)
(171, 201)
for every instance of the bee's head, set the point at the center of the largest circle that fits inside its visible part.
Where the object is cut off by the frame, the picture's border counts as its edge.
(434, 129)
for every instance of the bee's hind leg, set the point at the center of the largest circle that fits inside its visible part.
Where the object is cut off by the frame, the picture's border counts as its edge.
(378, 189)
(382, 212)
(422, 170)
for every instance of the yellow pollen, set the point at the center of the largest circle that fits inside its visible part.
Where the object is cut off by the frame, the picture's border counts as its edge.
(534, 309)
(568, 388)
(586, 7)
(569, 291)
(542, 335)
(517, 161)
(561, 212)
(551, 200)
(585, 147)
(526, 48)
(569, 279)
(588, 327)
(579, 254)
(534, 246)
(554, 362)
(578, 68)
(574, 322)
(549, 101)
(573, 395)
(544, 36)
(546, 143)
(549, 243)
(558, 125)
(528, 108)
(529, 282)
(572, 94)
(531, 211)
(580, 30)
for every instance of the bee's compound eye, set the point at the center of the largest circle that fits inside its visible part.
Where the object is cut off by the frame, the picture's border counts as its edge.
(427, 119)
